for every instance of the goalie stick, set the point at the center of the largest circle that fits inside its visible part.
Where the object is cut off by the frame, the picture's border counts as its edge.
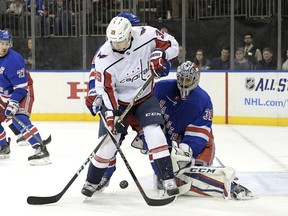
(149, 201)
(36, 200)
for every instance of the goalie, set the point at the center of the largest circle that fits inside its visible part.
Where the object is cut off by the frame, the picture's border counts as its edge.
(188, 114)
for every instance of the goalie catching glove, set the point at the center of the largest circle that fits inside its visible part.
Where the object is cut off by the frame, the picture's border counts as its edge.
(11, 108)
(158, 63)
(93, 102)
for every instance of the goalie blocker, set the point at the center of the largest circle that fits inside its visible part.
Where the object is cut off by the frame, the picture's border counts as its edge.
(206, 181)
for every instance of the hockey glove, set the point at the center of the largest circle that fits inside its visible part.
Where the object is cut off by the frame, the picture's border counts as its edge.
(93, 102)
(157, 62)
(111, 120)
(109, 117)
(11, 108)
(120, 126)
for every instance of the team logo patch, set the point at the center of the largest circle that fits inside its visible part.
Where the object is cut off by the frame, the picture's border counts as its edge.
(250, 83)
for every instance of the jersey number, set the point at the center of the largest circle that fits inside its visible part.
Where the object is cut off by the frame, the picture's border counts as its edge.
(208, 115)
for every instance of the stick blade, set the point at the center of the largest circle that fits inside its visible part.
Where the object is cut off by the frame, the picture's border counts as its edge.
(160, 202)
(34, 200)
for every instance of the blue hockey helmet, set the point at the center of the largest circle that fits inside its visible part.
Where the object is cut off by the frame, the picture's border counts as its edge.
(134, 20)
(188, 76)
(5, 35)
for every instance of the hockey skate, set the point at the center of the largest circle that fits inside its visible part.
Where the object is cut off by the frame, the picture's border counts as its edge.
(5, 150)
(41, 156)
(103, 184)
(170, 187)
(89, 189)
(239, 192)
(21, 141)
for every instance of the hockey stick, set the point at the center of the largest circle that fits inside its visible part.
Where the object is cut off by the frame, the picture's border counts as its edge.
(36, 200)
(26, 128)
(131, 104)
(149, 201)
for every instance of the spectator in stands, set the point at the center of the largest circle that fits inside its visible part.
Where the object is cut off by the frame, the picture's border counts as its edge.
(242, 63)
(28, 55)
(201, 60)
(62, 18)
(39, 14)
(164, 9)
(222, 62)
(252, 53)
(179, 59)
(16, 7)
(50, 11)
(285, 64)
(268, 62)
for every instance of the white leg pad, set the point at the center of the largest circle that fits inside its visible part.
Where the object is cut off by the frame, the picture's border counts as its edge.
(206, 181)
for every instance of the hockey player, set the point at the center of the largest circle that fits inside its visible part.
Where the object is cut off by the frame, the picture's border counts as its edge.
(94, 103)
(188, 112)
(16, 99)
(123, 64)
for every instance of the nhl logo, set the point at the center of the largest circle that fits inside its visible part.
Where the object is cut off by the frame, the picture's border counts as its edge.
(250, 83)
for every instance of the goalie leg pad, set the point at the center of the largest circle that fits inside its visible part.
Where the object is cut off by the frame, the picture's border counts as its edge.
(207, 181)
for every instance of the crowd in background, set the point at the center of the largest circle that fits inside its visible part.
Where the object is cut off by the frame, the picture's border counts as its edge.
(64, 18)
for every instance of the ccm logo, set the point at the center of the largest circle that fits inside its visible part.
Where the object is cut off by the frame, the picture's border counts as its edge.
(75, 88)
(152, 114)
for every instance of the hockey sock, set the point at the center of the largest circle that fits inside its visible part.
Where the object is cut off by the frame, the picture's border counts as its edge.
(95, 174)
(164, 167)
(14, 129)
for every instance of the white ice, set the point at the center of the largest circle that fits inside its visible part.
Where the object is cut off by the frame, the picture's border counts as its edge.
(258, 153)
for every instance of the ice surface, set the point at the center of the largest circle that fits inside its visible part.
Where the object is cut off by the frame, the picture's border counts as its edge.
(258, 153)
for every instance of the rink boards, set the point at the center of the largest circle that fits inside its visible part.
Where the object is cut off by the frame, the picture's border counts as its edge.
(246, 97)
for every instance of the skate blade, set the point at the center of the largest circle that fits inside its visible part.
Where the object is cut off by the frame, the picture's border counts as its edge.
(23, 143)
(40, 162)
(4, 156)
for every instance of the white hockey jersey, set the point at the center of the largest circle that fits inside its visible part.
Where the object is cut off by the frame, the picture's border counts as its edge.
(120, 75)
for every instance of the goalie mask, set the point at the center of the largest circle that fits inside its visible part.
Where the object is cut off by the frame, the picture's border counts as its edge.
(5, 42)
(119, 33)
(188, 76)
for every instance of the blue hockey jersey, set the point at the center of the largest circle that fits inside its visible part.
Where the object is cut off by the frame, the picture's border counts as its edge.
(186, 121)
(13, 79)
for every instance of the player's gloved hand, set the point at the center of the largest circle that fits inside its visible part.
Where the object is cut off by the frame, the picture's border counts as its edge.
(109, 117)
(93, 102)
(119, 126)
(11, 108)
(157, 62)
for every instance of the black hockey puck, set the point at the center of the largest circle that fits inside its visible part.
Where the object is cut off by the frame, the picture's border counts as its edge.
(123, 184)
